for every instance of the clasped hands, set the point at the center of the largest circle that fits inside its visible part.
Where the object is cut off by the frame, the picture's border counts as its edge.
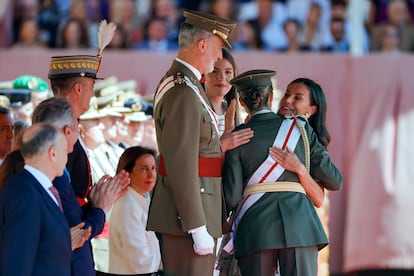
(108, 189)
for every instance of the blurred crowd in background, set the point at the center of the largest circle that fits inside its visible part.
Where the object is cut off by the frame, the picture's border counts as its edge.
(265, 25)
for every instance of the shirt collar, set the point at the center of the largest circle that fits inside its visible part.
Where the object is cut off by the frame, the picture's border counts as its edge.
(263, 111)
(40, 176)
(192, 68)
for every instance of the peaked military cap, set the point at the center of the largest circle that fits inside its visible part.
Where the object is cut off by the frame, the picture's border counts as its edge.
(74, 66)
(253, 78)
(211, 23)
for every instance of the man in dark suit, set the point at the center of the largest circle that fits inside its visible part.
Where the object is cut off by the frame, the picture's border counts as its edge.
(34, 234)
(186, 207)
(58, 112)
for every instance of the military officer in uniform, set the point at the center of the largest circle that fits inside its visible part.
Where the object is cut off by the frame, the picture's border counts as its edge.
(275, 221)
(186, 207)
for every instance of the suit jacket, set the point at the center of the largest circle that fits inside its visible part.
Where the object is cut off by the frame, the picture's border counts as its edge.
(82, 260)
(276, 220)
(79, 169)
(182, 200)
(34, 234)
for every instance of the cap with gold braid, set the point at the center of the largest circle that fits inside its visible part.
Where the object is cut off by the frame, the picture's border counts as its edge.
(82, 65)
(218, 26)
(73, 66)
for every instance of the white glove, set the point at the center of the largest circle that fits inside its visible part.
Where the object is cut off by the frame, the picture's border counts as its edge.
(203, 242)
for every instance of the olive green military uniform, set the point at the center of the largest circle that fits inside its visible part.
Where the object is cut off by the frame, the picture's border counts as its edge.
(182, 200)
(188, 194)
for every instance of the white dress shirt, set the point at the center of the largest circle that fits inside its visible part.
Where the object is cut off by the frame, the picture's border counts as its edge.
(43, 180)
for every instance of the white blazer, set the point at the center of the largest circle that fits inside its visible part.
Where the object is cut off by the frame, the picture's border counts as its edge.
(132, 249)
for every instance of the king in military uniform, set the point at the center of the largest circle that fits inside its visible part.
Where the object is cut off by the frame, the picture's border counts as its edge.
(186, 207)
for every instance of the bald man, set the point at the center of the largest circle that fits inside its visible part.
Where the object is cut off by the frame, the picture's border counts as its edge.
(31, 218)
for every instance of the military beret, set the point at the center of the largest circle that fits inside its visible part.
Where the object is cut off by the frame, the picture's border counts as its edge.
(211, 23)
(74, 66)
(253, 78)
(30, 82)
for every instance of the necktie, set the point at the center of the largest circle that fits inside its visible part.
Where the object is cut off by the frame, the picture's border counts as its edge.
(55, 192)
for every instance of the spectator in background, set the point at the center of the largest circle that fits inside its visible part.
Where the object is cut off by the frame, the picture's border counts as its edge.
(247, 36)
(167, 10)
(398, 14)
(123, 13)
(293, 31)
(120, 39)
(269, 16)
(74, 35)
(136, 129)
(340, 43)
(226, 9)
(91, 133)
(110, 131)
(340, 9)
(98, 10)
(23, 9)
(312, 33)
(6, 132)
(29, 36)
(48, 21)
(156, 37)
(390, 39)
(378, 11)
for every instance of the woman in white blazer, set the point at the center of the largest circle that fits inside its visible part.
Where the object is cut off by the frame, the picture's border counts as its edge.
(132, 249)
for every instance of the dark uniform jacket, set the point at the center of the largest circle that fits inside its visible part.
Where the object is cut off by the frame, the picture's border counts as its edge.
(79, 169)
(280, 219)
(182, 200)
(34, 233)
(82, 260)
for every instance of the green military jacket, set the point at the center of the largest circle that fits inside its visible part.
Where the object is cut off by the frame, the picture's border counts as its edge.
(182, 200)
(281, 219)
